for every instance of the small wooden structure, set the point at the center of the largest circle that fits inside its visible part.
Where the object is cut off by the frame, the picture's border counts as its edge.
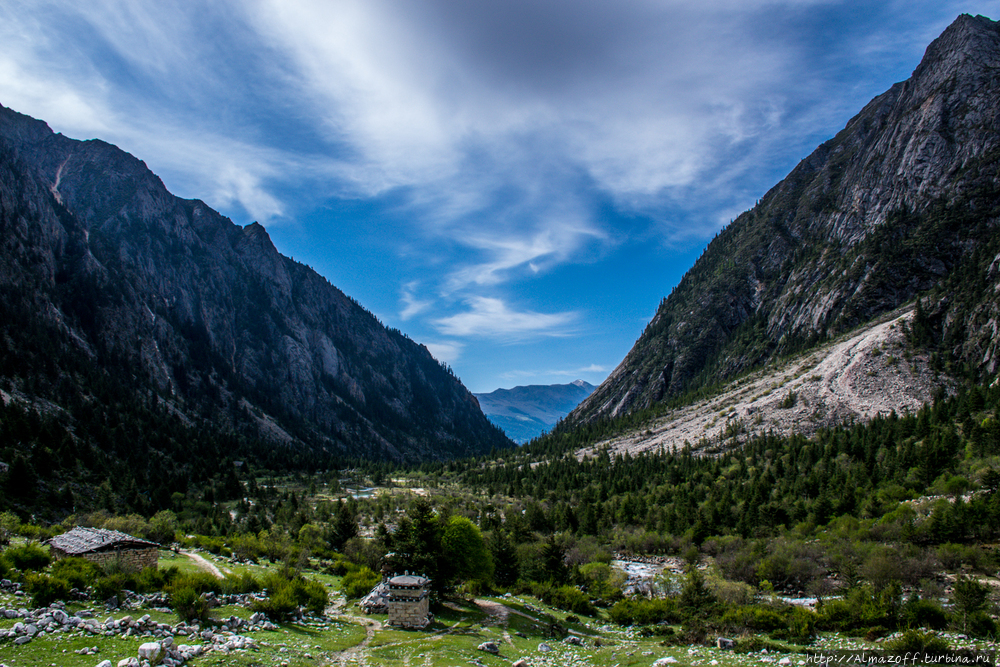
(104, 547)
(409, 601)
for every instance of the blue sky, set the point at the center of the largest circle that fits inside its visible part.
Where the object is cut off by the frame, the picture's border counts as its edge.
(515, 184)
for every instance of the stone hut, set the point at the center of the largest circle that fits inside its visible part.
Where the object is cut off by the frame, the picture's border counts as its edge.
(103, 547)
(408, 599)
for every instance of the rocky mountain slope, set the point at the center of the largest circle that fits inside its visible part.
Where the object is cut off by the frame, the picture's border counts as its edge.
(905, 201)
(870, 372)
(111, 286)
(527, 412)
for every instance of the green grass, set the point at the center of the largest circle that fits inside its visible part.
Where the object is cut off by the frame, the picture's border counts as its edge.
(180, 561)
(58, 649)
(451, 640)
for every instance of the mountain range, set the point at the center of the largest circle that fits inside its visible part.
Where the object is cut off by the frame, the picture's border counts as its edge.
(143, 331)
(903, 203)
(114, 292)
(526, 412)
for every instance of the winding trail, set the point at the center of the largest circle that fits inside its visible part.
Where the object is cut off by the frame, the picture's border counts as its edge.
(358, 653)
(205, 564)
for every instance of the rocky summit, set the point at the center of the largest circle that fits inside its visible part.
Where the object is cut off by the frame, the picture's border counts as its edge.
(904, 202)
(118, 298)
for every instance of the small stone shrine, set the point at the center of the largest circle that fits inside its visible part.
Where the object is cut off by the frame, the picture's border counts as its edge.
(409, 601)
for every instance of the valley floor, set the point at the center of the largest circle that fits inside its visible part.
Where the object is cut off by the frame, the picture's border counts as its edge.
(520, 627)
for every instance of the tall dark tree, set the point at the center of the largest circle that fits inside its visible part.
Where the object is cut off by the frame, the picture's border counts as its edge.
(505, 561)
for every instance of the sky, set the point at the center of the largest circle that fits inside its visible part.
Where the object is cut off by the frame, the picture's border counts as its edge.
(515, 184)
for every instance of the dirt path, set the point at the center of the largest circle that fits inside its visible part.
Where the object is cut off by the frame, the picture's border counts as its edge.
(205, 565)
(358, 654)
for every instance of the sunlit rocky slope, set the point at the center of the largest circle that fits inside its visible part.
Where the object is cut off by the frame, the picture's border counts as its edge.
(870, 372)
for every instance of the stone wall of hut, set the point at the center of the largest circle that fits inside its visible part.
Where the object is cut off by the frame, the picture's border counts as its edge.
(127, 559)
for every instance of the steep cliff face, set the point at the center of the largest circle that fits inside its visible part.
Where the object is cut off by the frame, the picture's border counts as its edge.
(105, 274)
(902, 202)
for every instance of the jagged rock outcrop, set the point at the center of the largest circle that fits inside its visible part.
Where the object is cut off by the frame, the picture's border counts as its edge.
(902, 202)
(105, 277)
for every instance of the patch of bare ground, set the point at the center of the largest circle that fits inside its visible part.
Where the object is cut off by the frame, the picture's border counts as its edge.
(855, 378)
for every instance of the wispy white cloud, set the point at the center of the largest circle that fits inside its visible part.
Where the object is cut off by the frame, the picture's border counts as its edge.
(505, 252)
(491, 318)
(413, 305)
(574, 373)
(649, 100)
(447, 352)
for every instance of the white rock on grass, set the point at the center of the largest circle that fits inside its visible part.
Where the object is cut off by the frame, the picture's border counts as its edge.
(128, 662)
(489, 647)
(153, 652)
(665, 661)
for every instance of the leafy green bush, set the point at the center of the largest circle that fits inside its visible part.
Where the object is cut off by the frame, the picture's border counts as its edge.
(44, 589)
(980, 624)
(186, 593)
(800, 626)
(189, 604)
(202, 582)
(640, 611)
(312, 595)
(278, 605)
(356, 584)
(914, 641)
(240, 584)
(287, 590)
(603, 581)
(340, 567)
(77, 572)
(753, 619)
(568, 598)
(247, 547)
(918, 613)
(26, 557)
(153, 579)
(862, 608)
(111, 585)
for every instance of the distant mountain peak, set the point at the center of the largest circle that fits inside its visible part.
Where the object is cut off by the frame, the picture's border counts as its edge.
(525, 412)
